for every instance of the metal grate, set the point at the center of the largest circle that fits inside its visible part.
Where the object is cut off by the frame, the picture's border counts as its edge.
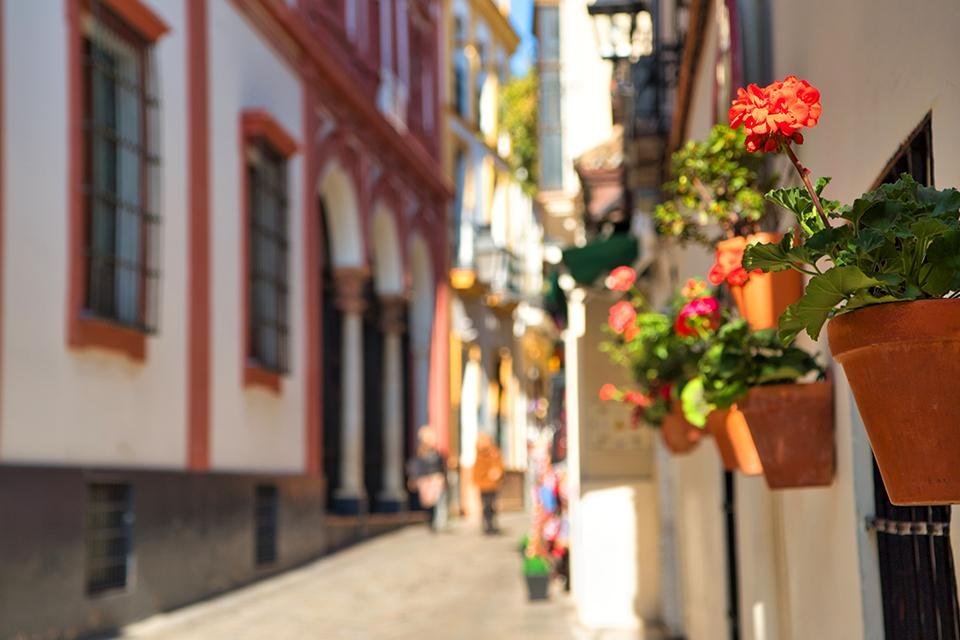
(265, 524)
(269, 248)
(121, 173)
(109, 533)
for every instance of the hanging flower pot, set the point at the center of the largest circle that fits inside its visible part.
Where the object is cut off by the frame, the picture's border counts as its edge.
(761, 297)
(792, 427)
(734, 442)
(679, 436)
(902, 360)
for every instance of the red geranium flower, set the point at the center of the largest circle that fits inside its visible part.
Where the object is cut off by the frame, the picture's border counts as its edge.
(774, 115)
(729, 265)
(622, 315)
(694, 288)
(621, 279)
(637, 398)
(697, 317)
(609, 392)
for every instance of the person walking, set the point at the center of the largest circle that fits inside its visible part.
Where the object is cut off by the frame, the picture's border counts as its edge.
(427, 476)
(488, 476)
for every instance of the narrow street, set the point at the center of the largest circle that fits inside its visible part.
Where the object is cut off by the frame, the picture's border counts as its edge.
(410, 584)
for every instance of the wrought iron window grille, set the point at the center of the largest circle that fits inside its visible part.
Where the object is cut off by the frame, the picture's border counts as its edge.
(265, 512)
(121, 175)
(108, 536)
(267, 205)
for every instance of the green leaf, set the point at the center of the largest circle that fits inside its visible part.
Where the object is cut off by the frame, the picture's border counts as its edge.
(767, 256)
(824, 293)
(694, 403)
(822, 182)
(797, 200)
(790, 325)
(865, 299)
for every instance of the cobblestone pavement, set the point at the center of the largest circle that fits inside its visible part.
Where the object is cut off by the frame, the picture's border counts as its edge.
(408, 585)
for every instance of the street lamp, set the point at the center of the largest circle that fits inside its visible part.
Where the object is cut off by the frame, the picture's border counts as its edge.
(623, 29)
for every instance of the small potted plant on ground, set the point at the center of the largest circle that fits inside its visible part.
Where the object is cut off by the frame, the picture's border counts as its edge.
(885, 272)
(716, 199)
(661, 352)
(774, 425)
(536, 571)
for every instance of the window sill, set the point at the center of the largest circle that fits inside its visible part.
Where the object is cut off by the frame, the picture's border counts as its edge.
(88, 331)
(256, 375)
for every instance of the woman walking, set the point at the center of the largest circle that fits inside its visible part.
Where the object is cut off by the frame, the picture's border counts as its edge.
(428, 477)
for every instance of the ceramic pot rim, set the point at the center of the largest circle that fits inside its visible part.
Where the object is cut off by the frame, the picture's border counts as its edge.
(895, 322)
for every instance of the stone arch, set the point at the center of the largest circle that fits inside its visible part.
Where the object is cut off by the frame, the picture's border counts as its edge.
(339, 194)
(422, 303)
(387, 256)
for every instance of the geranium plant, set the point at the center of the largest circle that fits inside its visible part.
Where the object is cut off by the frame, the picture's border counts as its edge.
(738, 359)
(716, 190)
(900, 242)
(660, 350)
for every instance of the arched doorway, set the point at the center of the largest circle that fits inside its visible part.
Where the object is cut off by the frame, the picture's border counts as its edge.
(331, 373)
(385, 376)
(342, 344)
(421, 327)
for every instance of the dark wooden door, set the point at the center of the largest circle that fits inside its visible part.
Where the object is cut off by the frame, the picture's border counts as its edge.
(332, 368)
(917, 579)
(372, 400)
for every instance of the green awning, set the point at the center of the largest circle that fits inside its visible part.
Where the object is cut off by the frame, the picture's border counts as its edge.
(598, 257)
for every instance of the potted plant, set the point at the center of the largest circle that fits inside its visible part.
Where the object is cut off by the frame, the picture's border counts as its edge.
(716, 199)
(885, 272)
(661, 352)
(773, 424)
(536, 571)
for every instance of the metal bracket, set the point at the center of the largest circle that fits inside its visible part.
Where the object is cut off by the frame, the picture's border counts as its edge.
(903, 528)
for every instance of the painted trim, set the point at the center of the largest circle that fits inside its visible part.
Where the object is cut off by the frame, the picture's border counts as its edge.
(313, 285)
(83, 330)
(255, 375)
(139, 17)
(2, 194)
(338, 81)
(257, 123)
(699, 12)
(198, 241)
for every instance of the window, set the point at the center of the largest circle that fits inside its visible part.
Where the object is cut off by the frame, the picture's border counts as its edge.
(121, 216)
(109, 533)
(480, 82)
(267, 149)
(551, 154)
(267, 203)
(461, 68)
(265, 507)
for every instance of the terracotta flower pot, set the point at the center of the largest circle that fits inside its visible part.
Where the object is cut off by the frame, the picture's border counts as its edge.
(766, 295)
(734, 442)
(679, 436)
(902, 360)
(792, 426)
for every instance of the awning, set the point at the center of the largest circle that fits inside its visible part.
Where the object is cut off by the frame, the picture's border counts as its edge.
(591, 261)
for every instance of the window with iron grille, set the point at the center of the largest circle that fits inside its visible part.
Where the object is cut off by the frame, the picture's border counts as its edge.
(551, 155)
(109, 534)
(265, 524)
(269, 247)
(121, 171)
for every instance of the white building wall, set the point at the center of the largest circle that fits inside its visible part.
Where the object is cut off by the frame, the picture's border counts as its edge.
(585, 79)
(877, 83)
(60, 405)
(805, 559)
(251, 428)
(614, 510)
